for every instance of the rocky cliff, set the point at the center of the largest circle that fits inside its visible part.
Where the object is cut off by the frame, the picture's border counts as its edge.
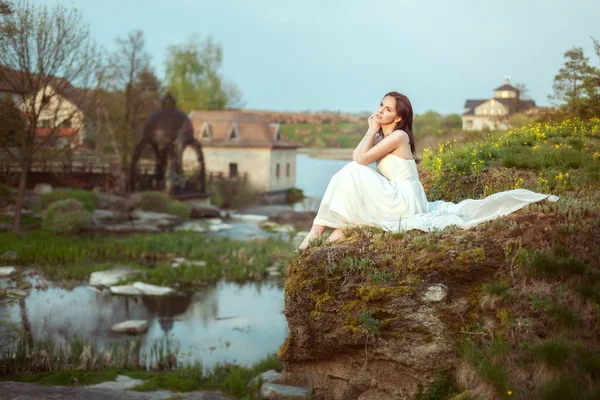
(382, 316)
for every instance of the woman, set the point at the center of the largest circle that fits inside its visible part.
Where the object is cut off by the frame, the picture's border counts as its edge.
(394, 199)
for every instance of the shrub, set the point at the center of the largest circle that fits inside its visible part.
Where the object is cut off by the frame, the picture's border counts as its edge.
(5, 195)
(65, 217)
(153, 201)
(87, 198)
(180, 209)
(294, 195)
(234, 193)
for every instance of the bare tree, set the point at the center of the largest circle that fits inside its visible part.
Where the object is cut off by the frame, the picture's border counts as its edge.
(46, 54)
(126, 65)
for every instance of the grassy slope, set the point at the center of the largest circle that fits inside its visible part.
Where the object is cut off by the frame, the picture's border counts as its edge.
(533, 278)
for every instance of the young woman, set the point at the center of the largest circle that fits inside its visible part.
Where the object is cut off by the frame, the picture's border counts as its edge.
(393, 198)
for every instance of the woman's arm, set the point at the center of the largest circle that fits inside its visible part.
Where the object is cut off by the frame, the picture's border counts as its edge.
(387, 145)
(367, 141)
(365, 144)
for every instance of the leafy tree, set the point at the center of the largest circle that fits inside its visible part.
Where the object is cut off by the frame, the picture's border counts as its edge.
(452, 121)
(428, 124)
(45, 54)
(569, 83)
(193, 77)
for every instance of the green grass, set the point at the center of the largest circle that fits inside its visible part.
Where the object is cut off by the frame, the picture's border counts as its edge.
(442, 387)
(88, 198)
(554, 158)
(76, 257)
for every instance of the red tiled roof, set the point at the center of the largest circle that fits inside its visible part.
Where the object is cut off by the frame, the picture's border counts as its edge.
(253, 130)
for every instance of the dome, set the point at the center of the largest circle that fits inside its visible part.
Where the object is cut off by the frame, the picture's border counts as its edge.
(168, 124)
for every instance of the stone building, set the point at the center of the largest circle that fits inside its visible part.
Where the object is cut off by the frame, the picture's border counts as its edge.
(493, 113)
(238, 143)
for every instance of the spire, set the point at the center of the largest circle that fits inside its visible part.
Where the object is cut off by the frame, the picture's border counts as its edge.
(507, 80)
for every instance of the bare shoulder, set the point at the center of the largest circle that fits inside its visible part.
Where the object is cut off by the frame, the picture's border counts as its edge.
(400, 134)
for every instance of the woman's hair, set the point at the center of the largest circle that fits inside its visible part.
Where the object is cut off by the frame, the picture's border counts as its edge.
(404, 110)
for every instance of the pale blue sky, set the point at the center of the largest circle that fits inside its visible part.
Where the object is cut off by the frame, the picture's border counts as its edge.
(344, 55)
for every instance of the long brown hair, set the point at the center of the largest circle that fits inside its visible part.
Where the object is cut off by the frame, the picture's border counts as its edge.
(404, 110)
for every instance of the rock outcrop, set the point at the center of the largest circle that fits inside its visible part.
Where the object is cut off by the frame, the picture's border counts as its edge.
(379, 316)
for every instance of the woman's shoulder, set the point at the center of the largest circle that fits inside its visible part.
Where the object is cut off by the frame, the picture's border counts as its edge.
(399, 133)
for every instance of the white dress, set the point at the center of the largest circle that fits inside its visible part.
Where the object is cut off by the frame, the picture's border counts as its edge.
(394, 200)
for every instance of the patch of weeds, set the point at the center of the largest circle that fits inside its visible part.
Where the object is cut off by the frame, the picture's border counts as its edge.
(551, 265)
(485, 365)
(70, 377)
(498, 288)
(540, 303)
(554, 353)
(442, 386)
(378, 276)
(371, 324)
(564, 388)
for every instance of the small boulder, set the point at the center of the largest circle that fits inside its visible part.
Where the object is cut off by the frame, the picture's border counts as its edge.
(274, 391)
(125, 290)
(111, 277)
(9, 256)
(7, 271)
(42, 188)
(205, 211)
(132, 327)
(435, 293)
(269, 376)
(153, 290)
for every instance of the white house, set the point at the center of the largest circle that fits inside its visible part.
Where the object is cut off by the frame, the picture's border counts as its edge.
(493, 113)
(237, 143)
(61, 105)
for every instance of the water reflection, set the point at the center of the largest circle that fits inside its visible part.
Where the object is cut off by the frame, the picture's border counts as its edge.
(224, 322)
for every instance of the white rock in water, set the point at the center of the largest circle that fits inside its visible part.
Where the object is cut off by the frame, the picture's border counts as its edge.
(121, 383)
(436, 293)
(133, 326)
(150, 215)
(219, 227)
(152, 290)
(250, 217)
(275, 391)
(266, 377)
(111, 277)
(7, 271)
(127, 290)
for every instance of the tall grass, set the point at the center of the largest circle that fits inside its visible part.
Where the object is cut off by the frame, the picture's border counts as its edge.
(75, 257)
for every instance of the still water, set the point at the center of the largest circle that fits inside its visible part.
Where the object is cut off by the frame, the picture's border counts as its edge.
(223, 322)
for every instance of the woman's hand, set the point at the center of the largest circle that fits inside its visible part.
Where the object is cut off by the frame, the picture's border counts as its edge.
(374, 125)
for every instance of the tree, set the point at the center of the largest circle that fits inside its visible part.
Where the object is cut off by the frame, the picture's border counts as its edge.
(569, 82)
(45, 52)
(452, 121)
(591, 86)
(128, 91)
(194, 79)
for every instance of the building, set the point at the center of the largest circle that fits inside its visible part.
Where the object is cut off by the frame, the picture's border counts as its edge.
(61, 104)
(238, 143)
(493, 113)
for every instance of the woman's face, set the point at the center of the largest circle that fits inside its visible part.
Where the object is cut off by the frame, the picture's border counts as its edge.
(386, 114)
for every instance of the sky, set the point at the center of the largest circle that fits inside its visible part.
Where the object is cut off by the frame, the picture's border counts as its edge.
(345, 55)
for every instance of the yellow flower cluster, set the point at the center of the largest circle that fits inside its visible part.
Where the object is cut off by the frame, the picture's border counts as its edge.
(562, 181)
(517, 182)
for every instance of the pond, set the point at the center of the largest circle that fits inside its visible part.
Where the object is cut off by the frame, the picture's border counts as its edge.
(220, 323)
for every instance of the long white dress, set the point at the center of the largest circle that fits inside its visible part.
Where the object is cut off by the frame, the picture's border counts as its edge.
(395, 200)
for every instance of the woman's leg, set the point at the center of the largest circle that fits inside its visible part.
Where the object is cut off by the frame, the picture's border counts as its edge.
(315, 232)
(336, 235)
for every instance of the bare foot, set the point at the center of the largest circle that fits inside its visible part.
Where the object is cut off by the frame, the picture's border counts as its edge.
(336, 235)
(306, 242)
